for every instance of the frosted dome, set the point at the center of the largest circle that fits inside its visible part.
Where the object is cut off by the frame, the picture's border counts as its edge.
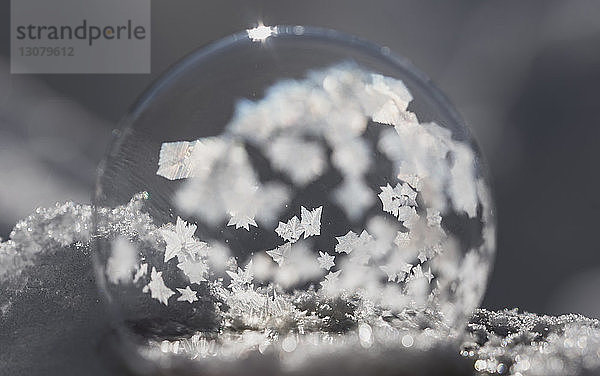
(297, 189)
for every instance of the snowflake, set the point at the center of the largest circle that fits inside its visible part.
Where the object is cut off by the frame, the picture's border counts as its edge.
(408, 216)
(241, 220)
(406, 194)
(428, 275)
(284, 153)
(389, 114)
(387, 197)
(299, 266)
(174, 161)
(330, 280)
(242, 204)
(402, 239)
(392, 275)
(223, 187)
(396, 270)
(122, 261)
(390, 88)
(140, 272)
(365, 239)
(394, 199)
(180, 240)
(290, 231)
(195, 271)
(325, 260)
(422, 256)
(360, 258)
(242, 277)
(187, 295)
(311, 221)
(158, 289)
(434, 218)
(182, 159)
(352, 157)
(271, 200)
(281, 253)
(347, 243)
(354, 197)
(413, 180)
(417, 272)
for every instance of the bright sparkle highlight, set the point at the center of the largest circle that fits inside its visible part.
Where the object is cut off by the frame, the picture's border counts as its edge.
(261, 33)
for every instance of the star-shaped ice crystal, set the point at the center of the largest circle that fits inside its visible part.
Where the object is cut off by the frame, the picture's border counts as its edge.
(346, 243)
(158, 289)
(180, 240)
(281, 253)
(187, 295)
(195, 271)
(330, 280)
(311, 221)
(428, 275)
(241, 220)
(290, 231)
(325, 260)
(387, 197)
(242, 277)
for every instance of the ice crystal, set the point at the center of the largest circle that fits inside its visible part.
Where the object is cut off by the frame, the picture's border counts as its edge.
(408, 216)
(397, 198)
(241, 220)
(284, 152)
(330, 281)
(402, 239)
(242, 278)
(281, 253)
(390, 114)
(311, 221)
(122, 262)
(434, 218)
(299, 266)
(157, 288)
(354, 196)
(140, 271)
(352, 157)
(347, 243)
(174, 161)
(187, 295)
(326, 260)
(271, 200)
(180, 240)
(290, 231)
(223, 186)
(196, 271)
(428, 275)
(396, 270)
(390, 88)
(514, 343)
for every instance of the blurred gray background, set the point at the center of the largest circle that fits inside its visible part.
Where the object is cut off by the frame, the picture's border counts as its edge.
(525, 75)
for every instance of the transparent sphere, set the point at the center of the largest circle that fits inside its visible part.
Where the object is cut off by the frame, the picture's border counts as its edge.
(288, 189)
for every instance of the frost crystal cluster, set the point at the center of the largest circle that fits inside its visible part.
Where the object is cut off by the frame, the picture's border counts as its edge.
(325, 212)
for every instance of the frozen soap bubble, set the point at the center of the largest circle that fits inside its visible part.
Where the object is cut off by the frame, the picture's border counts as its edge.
(302, 192)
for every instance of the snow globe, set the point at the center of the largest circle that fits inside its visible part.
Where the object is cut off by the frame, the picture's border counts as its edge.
(287, 198)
